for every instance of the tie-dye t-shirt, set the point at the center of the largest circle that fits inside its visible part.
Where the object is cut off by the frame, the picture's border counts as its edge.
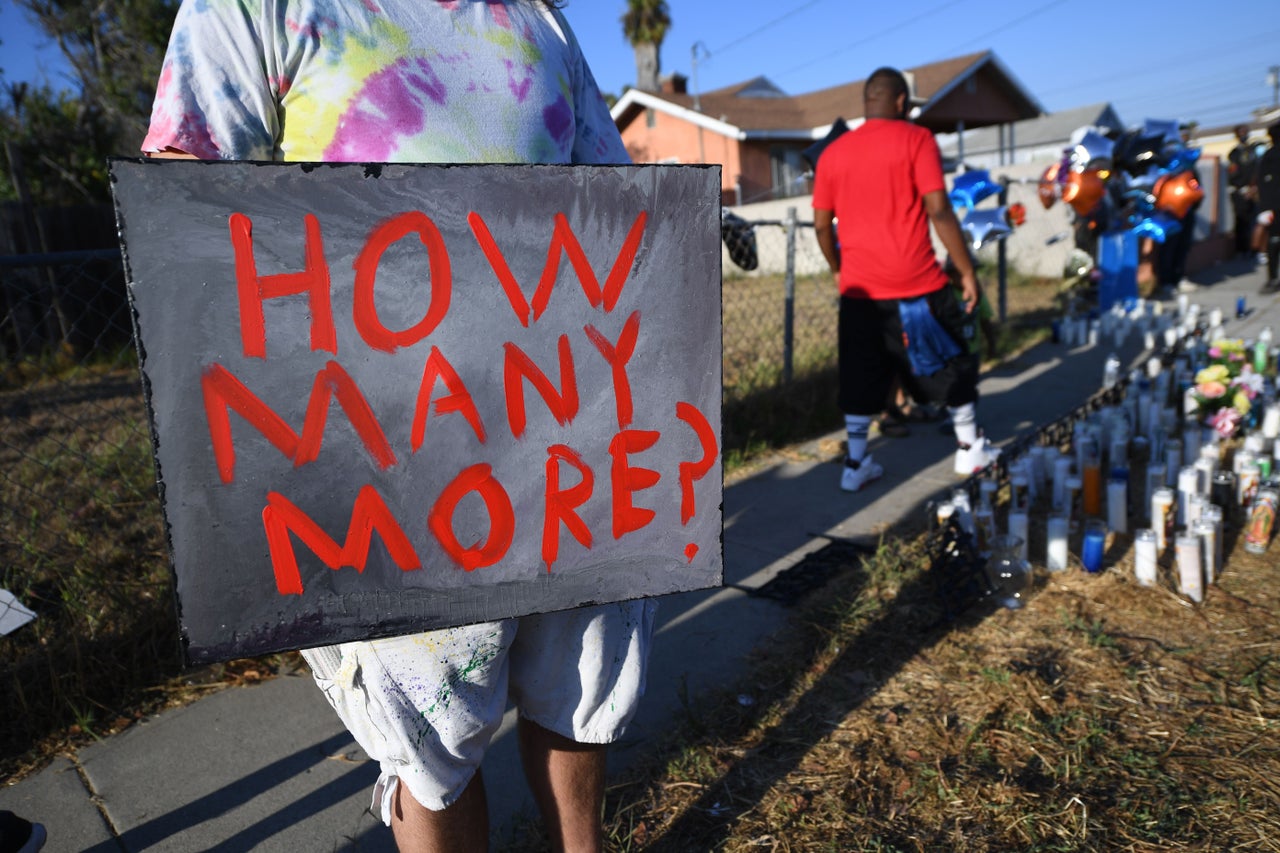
(426, 81)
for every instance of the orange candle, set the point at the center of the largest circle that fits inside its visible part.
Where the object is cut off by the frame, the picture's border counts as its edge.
(1092, 483)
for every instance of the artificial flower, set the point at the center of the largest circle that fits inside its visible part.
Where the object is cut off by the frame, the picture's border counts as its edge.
(1211, 389)
(1226, 421)
(1213, 373)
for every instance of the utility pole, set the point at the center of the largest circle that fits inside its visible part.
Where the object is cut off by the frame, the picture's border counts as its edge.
(697, 100)
(706, 54)
(1273, 80)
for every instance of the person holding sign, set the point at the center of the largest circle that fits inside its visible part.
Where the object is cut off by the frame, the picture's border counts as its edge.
(898, 315)
(429, 82)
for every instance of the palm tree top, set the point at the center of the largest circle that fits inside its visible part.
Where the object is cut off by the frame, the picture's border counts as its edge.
(646, 21)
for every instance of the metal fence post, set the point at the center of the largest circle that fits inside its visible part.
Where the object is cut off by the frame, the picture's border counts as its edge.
(789, 302)
(1002, 259)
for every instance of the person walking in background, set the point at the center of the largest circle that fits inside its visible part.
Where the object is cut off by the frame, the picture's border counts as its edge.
(883, 181)
(1266, 186)
(1171, 260)
(1241, 163)
(434, 82)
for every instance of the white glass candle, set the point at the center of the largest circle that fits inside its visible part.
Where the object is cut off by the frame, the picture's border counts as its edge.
(1190, 572)
(1207, 532)
(1188, 485)
(1195, 508)
(1271, 421)
(1118, 506)
(1213, 515)
(1061, 470)
(1144, 557)
(1018, 526)
(1056, 544)
(1154, 480)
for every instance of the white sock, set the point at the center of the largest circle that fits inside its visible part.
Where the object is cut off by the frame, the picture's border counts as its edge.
(857, 427)
(965, 420)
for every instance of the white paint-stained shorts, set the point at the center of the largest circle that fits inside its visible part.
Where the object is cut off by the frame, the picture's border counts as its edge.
(425, 706)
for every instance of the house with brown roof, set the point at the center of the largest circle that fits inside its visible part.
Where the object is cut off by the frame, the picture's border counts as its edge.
(758, 133)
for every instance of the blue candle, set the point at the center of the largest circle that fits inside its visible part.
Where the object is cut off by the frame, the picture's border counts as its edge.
(1095, 537)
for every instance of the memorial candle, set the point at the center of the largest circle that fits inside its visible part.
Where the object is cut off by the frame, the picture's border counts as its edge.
(1190, 572)
(1144, 557)
(1018, 526)
(1093, 546)
(1056, 543)
(1118, 506)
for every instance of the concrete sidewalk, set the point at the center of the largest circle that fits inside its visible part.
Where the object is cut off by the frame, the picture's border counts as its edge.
(270, 768)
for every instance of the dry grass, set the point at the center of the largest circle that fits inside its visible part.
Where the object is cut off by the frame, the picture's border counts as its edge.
(82, 546)
(1102, 716)
(81, 539)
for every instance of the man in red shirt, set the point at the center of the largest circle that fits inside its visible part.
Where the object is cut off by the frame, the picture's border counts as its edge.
(883, 183)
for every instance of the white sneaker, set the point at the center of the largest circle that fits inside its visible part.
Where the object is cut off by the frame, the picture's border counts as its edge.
(975, 457)
(857, 474)
(1187, 286)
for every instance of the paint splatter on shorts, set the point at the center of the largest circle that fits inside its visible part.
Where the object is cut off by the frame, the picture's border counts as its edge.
(425, 706)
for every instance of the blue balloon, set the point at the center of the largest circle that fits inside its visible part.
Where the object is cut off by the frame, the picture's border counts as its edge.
(983, 226)
(1158, 226)
(1167, 129)
(1182, 159)
(969, 188)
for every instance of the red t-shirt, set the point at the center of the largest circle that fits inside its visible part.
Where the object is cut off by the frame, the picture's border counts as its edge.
(874, 178)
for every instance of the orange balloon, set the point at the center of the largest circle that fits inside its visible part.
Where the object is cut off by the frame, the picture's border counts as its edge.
(1176, 194)
(1048, 189)
(1083, 191)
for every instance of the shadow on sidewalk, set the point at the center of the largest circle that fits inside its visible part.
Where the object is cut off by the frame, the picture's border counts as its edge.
(217, 804)
(1038, 388)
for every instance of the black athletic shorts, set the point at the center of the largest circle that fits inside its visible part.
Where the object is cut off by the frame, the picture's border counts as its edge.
(872, 350)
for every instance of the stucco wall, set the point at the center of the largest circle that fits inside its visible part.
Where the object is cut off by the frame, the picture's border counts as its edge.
(672, 140)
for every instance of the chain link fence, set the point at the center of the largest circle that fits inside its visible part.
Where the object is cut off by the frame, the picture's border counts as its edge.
(81, 537)
(74, 436)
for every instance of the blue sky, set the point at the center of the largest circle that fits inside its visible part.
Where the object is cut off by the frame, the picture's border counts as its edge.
(1170, 60)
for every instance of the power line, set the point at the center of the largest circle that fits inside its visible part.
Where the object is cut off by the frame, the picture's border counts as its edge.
(740, 39)
(848, 47)
(1147, 68)
(1011, 24)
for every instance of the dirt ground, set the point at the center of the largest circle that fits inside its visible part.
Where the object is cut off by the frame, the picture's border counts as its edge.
(1100, 716)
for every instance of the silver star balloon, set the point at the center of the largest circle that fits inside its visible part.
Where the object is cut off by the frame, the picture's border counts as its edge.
(1093, 151)
(983, 226)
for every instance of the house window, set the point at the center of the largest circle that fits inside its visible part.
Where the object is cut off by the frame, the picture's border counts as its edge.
(789, 172)
(650, 118)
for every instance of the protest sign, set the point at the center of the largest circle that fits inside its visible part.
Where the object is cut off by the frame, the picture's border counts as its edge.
(391, 398)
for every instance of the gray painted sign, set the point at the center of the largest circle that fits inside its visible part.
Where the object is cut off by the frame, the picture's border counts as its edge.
(390, 398)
